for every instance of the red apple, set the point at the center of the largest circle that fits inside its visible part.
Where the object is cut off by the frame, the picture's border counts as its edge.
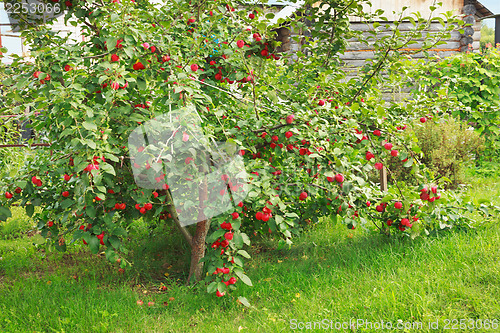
(289, 119)
(240, 43)
(50, 224)
(398, 205)
(379, 166)
(388, 146)
(303, 196)
(424, 196)
(235, 215)
(67, 68)
(8, 195)
(394, 153)
(376, 132)
(423, 120)
(138, 65)
(321, 102)
(18, 190)
(114, 58)
(65, 194)
(339, 178)
(194, 67)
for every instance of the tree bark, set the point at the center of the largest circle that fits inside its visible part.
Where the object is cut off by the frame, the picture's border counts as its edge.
(198, 246)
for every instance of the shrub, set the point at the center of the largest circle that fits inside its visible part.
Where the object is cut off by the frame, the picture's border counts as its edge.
(446, 145)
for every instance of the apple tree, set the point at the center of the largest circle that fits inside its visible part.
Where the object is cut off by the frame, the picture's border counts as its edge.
(184, 112)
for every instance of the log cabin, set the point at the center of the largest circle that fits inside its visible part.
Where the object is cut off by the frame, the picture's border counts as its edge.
(471, 12)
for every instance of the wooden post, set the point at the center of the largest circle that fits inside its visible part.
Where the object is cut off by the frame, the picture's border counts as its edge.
(383, 179)
(497, 30)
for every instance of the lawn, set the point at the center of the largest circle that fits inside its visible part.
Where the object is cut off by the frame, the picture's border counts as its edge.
(331, 274)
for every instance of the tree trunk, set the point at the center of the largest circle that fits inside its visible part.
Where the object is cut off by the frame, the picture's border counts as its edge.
(198, 242)
(198, 251)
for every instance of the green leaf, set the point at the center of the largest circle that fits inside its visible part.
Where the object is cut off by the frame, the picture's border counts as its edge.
(89, 126)
(347, 187)
(403, 156)
(221, 287)
(115, 242)
(245, 279)
(246, 239)
(111, 44)
(212, 287)
(67, 203)
(408, 163)
(119, 232)
(91, 211)
(238, 240)
(213, 237)
(238, 261)
(30, 210)
(141, 84)
(244, 301)
(110, 254)
(90, 143)
(244, 254)
(108, 168)
(93, 244)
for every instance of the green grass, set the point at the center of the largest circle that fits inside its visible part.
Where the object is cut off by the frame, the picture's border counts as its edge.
(329, 273)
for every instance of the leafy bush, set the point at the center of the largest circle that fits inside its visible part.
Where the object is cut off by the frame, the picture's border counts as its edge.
(446, 146)
(473, 78)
